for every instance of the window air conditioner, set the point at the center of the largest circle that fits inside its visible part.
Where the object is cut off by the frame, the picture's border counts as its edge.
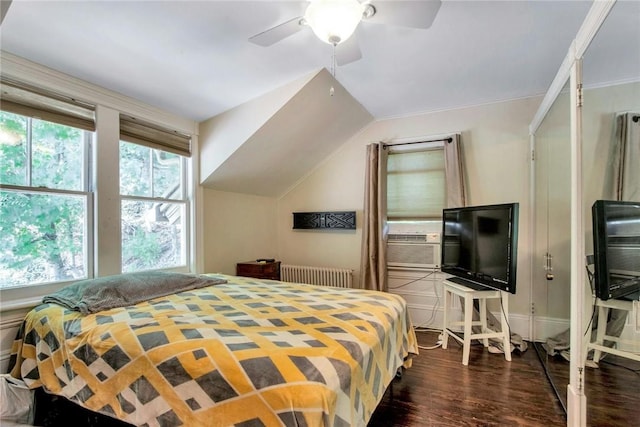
(413, 250)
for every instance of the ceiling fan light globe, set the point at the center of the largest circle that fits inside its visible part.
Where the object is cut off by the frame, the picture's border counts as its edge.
(334, 21)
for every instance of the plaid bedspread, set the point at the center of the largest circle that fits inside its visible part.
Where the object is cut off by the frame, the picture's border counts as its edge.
(245, 353)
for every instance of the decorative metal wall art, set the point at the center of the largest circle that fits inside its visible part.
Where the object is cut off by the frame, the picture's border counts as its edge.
(344, 220)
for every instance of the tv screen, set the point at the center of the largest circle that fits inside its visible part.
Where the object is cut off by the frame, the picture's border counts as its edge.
(479, 245)
(616, 249)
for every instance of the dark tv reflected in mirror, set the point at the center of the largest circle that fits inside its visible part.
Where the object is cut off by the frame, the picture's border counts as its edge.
(616, 249)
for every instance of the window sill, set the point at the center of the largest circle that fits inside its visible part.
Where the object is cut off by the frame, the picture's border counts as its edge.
(26, 296)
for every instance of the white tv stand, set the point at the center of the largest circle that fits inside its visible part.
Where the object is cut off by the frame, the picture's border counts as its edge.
(603, 313)
(469, 294)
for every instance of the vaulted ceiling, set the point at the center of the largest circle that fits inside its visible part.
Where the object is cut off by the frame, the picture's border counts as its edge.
(194, 59)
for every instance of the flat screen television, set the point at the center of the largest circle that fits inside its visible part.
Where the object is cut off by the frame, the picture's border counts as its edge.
(616, 249)
(480, 246)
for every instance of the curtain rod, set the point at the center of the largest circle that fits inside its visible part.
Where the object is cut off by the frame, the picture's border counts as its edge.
(635, 119)
(449, 140)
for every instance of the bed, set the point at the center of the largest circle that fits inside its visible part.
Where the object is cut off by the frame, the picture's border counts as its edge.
(244, 352)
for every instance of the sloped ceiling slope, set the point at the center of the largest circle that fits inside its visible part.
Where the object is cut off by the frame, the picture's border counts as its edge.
(266, 146)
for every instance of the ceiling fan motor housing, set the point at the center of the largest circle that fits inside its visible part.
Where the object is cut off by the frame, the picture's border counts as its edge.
(334, 21)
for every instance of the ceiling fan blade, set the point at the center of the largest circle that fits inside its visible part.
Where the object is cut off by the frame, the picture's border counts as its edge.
(406, 13)
(4, 7)
(348, 51)
(277, 33)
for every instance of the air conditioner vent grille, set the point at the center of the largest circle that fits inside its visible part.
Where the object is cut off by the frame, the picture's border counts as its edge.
(418, 238)
(413, 254)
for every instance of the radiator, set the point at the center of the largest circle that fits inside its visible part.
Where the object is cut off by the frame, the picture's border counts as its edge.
(323, 276)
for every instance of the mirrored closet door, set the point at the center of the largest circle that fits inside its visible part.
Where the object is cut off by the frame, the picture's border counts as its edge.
(611, 101)
(611, 87)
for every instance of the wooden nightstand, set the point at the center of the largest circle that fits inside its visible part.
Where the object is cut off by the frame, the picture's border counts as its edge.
(259, 270)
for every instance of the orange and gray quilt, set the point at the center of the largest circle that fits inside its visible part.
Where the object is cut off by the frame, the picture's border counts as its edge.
(249, 352)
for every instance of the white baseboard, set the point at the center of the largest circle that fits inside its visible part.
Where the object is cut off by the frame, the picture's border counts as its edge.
(546, 327)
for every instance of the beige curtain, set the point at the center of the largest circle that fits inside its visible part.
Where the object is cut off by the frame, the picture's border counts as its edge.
(453, 171)
(373, 270)
(626, 170)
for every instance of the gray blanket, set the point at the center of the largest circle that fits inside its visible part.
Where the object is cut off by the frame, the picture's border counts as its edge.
(93, 295)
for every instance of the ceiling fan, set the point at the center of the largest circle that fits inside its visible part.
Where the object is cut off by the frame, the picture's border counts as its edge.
(334, 21)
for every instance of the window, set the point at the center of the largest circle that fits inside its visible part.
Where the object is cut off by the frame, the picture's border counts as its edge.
(44, 201)
(416, 186)
(153, 197)
(59, 222)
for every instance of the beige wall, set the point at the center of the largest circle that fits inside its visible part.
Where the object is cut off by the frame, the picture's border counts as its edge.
(496, 149)
(236, 228)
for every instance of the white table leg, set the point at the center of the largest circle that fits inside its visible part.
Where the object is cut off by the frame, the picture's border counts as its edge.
(468, 318)
(483, 319)
(445, 319)
(603, 313)
(504, 309)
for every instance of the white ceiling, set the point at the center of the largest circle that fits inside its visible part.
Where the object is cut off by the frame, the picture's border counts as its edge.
(192, 58)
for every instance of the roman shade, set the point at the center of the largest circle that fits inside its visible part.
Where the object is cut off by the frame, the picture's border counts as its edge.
(150, 135)
(416, 185)
(27, 100)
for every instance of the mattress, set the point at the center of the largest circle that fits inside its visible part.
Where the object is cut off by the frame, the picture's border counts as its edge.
(247, 352)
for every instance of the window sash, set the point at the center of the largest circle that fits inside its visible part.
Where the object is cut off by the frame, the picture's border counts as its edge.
(177, 192)
(180, 255)
(87, 237)
(27, 180)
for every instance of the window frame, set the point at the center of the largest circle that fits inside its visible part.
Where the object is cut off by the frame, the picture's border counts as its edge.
(107, 107)
(85, 192)
(184, 200)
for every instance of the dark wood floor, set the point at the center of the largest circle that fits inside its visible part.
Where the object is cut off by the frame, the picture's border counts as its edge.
(612, 389)
(439, 391)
